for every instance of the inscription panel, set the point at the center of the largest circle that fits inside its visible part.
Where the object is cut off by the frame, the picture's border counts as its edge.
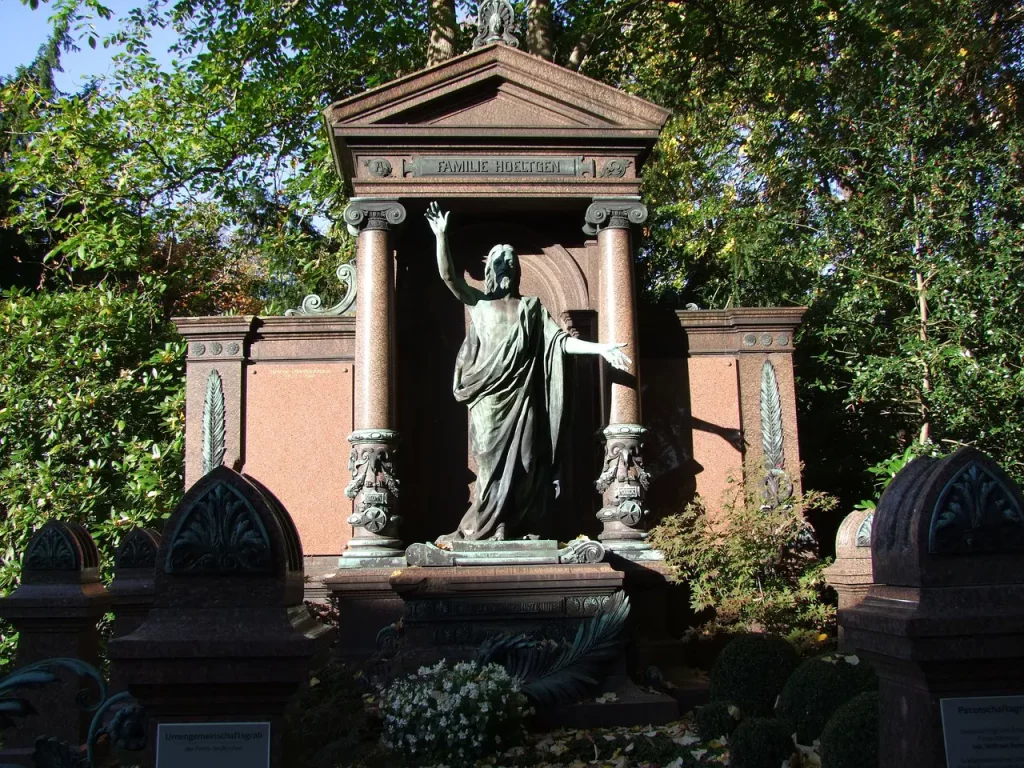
(497, 165)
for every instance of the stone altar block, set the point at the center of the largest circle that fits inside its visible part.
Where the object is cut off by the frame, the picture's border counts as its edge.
(450, 611)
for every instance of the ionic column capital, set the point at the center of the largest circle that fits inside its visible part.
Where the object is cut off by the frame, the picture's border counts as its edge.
(373, 213)
(614, 213)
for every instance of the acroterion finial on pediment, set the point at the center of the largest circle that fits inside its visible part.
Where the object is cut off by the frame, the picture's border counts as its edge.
(495, 21)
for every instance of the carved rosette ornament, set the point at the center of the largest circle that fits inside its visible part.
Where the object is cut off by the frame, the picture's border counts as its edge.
(614, 213)
(374, 490)
(623, 484)
(363, 213)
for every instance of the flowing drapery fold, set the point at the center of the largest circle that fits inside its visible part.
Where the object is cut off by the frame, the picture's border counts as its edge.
(515, 390)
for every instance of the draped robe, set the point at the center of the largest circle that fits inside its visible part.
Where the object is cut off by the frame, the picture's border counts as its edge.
(512, 380)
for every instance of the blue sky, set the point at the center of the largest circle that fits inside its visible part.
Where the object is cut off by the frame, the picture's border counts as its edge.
(23, 30)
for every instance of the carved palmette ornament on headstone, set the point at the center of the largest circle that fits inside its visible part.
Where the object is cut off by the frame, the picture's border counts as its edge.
(977, 512)
(219, 533)
(777, 487)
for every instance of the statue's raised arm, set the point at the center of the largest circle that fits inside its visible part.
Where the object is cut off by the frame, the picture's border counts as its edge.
(452, 277)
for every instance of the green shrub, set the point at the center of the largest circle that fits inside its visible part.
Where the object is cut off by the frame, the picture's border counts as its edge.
(453, 715)
(754, 563)
(850, 739)
(751, 671)
(327, 724)
(760, 742)
(818, 688)
(91, 417)
(716, 719)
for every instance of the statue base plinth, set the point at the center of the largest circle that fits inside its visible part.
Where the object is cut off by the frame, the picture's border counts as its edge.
(450, 611)
(516, 552)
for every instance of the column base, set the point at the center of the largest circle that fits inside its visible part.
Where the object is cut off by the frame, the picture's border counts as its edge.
(356, 560)
(634, 550)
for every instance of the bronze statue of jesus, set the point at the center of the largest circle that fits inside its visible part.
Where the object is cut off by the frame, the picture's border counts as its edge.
(509, 372)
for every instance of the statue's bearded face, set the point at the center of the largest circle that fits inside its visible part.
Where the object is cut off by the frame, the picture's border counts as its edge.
(501, 274)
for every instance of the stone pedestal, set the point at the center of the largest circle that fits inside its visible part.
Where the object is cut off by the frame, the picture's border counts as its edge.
(366, 604)
(219, 645)
(450, 611)
(55, 610)
(374, 487)
(850, 575)
(945, 618)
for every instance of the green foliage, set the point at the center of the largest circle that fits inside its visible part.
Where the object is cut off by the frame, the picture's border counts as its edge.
(453, 715)
(717, 719)
(91, 416)
(850, 740)
(751, 671)
(862, 158)
(755, 566)
(760, 742)
(818, 688)
(328, 724)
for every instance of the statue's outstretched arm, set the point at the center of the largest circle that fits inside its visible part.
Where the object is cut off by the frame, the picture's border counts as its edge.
(611, 352)
(452, 277)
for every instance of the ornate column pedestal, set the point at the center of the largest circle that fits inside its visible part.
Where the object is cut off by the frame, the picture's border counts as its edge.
(623, 481)
(374, 486)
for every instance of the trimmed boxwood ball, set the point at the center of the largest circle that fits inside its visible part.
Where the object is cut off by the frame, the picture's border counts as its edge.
(714, 720)
(760, 742)
(850, 739)
(750, 672)
(818, 688)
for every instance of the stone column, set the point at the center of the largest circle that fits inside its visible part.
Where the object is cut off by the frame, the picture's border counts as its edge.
(374, 486)
(623, 480)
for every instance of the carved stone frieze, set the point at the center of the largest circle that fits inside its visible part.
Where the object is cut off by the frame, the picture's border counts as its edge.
(614, 213)
(364, 213)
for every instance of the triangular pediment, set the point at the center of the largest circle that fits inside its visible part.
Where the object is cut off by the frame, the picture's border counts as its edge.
(496, 88)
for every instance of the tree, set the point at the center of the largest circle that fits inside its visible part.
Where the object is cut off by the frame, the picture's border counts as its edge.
(441, 20)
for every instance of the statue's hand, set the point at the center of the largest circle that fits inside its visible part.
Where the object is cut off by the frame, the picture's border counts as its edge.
(615, 356)
(438, 221)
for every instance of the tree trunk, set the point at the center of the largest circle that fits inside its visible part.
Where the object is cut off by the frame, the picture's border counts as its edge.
(441, 20)
(538, 32)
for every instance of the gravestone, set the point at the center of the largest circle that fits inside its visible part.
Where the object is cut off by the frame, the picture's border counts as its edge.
(850, 575)
(944, 622)
(55, 610)
(218, 655)
(132, 588)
